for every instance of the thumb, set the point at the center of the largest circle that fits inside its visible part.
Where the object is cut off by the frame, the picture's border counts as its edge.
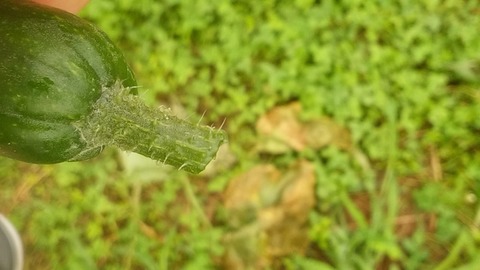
(72, 6)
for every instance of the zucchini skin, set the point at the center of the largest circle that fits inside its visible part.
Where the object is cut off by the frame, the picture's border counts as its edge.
(53, 66)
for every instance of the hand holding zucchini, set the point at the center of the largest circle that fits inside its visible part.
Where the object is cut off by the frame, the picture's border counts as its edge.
(67, 92)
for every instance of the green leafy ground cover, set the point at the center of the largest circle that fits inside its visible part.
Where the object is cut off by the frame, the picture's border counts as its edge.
(396, 186)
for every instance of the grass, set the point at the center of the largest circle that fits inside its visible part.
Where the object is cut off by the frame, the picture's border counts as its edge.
(387, 127)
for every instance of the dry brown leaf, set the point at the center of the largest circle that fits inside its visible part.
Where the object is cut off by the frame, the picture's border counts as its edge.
(246, 189)
(282, 129)
(298, 197)
(287, 232)
(277, 204)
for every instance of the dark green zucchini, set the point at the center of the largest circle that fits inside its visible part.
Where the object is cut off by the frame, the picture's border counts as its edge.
(67, 92)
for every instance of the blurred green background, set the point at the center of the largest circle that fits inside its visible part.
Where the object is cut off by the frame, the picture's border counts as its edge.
(353, 142)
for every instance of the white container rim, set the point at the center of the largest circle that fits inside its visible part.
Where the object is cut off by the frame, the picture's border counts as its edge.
(14, 242)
